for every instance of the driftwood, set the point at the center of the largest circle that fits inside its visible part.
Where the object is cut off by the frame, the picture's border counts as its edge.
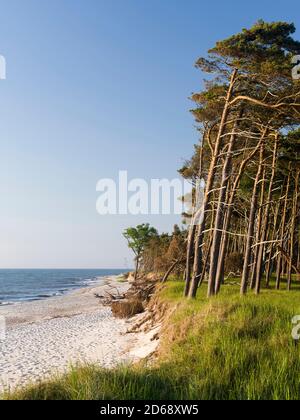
(141, 290)
(109, 298)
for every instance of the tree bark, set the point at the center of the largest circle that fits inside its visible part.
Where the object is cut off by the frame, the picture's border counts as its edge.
(258, 229)
(171, 269)
(270, 264)
(219, 219)
(293, 226)
(137, 263)
(279, 261)
(265, 225)
(221, 264)
(192, 234)
(254, 200)
(209, 185)
(190, 250)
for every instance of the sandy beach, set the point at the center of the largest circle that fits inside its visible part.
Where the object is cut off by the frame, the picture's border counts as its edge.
(48, 336)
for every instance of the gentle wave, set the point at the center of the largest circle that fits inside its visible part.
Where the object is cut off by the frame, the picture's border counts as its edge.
(30, 285)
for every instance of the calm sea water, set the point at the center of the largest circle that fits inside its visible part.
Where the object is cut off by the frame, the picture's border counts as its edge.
(28, 285)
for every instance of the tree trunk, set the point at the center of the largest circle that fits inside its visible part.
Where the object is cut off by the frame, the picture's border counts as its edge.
(192, 233)
(219, 220)
(221, 264)
(190, 250)
(137, 263)
(205, 262)
(279, 261)
(270, 265)
(293, 226)
(171, 269)
(209, 185)
(258, 229)
(265, 225)
(254, 200)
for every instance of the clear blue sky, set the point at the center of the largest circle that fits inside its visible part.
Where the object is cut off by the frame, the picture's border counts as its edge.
(94, 87)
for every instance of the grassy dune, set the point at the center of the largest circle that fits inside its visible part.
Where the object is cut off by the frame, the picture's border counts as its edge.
(225, 348)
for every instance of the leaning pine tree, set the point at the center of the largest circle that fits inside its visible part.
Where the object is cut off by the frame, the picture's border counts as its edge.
(243, 112)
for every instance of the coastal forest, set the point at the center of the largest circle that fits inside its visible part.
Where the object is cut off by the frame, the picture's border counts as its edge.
(245, 221)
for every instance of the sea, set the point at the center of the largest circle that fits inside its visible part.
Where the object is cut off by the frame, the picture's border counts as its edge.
(30, 285)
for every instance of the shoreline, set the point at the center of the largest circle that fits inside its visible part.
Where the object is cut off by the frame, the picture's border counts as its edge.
(46, 337)
(63, 289)
(70, 303)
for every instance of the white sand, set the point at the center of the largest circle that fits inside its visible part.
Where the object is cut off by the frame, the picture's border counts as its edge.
(47, 336)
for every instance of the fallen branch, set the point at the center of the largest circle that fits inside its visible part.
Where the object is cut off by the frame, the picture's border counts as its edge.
(172, 268)
(289, 260)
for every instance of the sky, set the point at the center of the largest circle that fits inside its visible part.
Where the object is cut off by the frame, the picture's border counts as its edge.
(94, 87)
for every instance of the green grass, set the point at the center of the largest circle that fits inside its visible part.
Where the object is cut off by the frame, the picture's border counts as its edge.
(223, 348)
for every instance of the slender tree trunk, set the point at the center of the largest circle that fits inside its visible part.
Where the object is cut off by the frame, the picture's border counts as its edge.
(190, 250)
(205, 262)
(259, 229)
(265, 225)
(270, 265)
(137, 266)
(192, 233)
(248, 253)
(219, 219)
(224, 245)
(197, 270)
(293, 226)
(171, 269)
(279, 261)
